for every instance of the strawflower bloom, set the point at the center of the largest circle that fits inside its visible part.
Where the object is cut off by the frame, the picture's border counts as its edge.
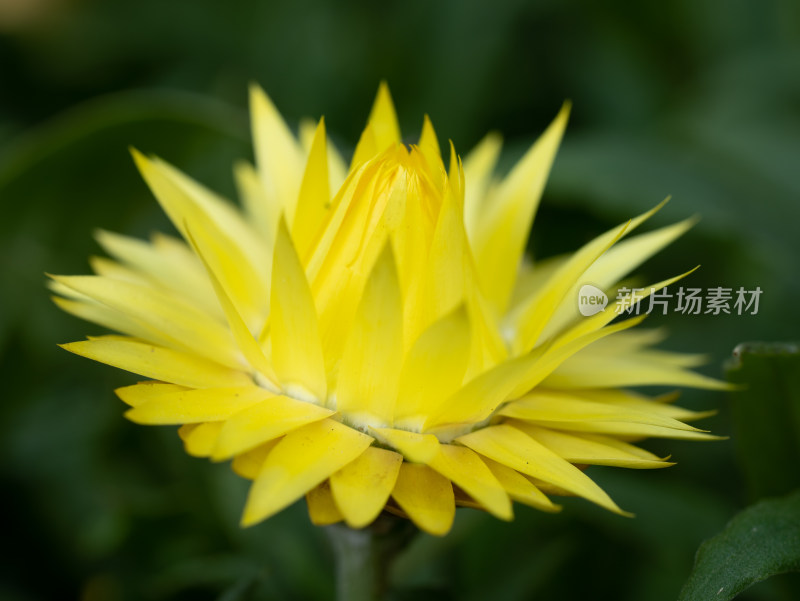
(374, 338)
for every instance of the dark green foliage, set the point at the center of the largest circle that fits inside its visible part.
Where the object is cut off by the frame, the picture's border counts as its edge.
(761, 541)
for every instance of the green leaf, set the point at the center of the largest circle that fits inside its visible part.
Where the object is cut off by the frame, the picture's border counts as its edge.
(761, 541)
(766, 416)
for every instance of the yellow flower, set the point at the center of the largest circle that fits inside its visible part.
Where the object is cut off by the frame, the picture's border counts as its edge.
(374, 338)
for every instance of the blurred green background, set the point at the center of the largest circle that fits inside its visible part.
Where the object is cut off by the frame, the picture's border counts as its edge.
(694, 98)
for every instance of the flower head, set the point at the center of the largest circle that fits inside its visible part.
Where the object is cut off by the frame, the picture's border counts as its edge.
(374, 338)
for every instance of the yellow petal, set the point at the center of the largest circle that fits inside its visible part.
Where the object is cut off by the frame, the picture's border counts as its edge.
(660, 405)
(337, 169)
(430, 150)
(366, 148)
(426, 497)
(488, 346)
(612, 266)
(248, 464)
(595, 322)
(520, 452)
(322, 509)
(420, 448)
(263, 211)
(274, 416)
(428, 141)
(383, 119)
(434, 367)
(464, 468)
(369, 371)
(532, 316)
(411, 243)
(111, 269)
(593, 449)
(503, 232)
(105, 316)
(312, 203)
(241, 255)
(564, 410)
(630, 430)
(278, 155)
(362, 487)
(298, 463)
(519, 487)
(593, 370)
(247, 344)
(168, 262)
(480, 397)
(532, 277)
(166, 318)
(364, 221)
(449, 264)
(296, 347)
(195, 406)
(199, 439)
(478, 167)
(144, 392)
(346, 219)
(225, 217)
(557, 354)
(633, 340)
(456, 174)
(158, 363)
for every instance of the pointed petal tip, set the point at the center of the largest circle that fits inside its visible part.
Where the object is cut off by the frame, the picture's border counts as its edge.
(138, 157)
(72, 347)
(133, 416)
(493, 137)
(564, 111)
(256, 92)
(248, 520)
(100, 234)
(692, 221)
(143, 162)
(383, 95)
(506, 515)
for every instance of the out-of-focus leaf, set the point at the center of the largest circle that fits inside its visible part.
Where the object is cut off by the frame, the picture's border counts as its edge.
(766, 416)
(762, 541)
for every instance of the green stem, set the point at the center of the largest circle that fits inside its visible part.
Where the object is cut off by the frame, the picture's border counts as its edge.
(363, 557)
